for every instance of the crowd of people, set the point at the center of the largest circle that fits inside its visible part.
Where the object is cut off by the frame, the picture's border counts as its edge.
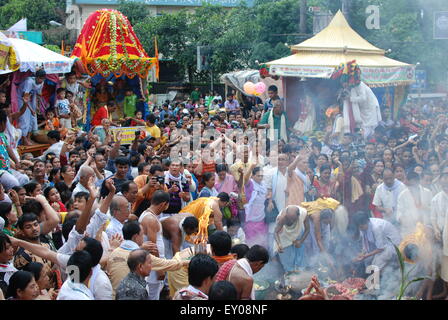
(191, 211)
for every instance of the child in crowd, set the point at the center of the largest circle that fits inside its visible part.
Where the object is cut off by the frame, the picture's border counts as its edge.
(51, 122)
(3, 100)
(75, 112)
(62, 107)
(130, 102)
(235, 231)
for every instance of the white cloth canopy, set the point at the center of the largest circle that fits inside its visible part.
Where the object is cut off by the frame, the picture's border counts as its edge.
(237, 79)
(33, 57)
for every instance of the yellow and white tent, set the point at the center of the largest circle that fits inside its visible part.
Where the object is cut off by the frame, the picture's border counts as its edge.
(338, 43)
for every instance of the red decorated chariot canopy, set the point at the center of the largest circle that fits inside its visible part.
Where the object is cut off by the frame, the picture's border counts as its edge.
(108, 44)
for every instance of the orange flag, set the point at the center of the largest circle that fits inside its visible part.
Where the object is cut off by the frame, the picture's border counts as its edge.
(156, 49)
(84, 52)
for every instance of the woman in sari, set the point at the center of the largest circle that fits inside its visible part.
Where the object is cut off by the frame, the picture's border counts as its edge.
(224, 181)
(324, 184)
(255, 228)
(322, 159)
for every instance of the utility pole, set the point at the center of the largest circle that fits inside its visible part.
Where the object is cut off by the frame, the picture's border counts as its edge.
(346, 9)
(303, 11)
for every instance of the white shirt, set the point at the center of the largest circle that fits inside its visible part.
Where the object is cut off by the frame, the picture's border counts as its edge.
(277, 183)
(114, 227)
(408, 214)
(196, 291)
(383, 231)
(134, 172)
(74, 291)
(100, 285)
(439, 208)
(9, 270)
(79, 188)
(386, 198)
(54, 148)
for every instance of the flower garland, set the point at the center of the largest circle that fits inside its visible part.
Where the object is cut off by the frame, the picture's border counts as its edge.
(114, 46)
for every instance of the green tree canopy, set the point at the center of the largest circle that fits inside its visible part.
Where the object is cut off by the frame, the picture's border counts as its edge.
(38, 13)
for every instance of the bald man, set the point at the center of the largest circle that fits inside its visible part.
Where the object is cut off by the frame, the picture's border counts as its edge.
(291, 229)
(119, 210)
(86, 173)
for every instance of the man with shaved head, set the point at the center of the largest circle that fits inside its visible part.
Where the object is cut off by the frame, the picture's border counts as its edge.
(291, 229)
(119, 210)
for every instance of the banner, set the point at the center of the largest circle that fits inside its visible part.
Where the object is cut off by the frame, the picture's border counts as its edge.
(388, 76)
(57, 67)
(301, 71)
(128, 133)
(375, 76)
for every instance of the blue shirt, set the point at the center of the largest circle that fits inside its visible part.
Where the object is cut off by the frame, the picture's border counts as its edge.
(63, 106)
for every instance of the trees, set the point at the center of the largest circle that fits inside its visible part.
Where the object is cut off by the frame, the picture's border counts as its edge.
(134, 11)
(230, 32)
(240, 36)
(38, 12)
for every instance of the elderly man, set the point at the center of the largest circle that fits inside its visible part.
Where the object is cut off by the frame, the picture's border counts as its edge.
(133, 286)
(119, 210)
(291, 229)
(386, 195)
(86, 173)
(276, 122)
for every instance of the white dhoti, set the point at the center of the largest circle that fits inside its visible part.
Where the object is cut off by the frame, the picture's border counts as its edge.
(366, 108)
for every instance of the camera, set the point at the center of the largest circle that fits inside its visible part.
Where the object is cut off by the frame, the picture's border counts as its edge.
(160, 180)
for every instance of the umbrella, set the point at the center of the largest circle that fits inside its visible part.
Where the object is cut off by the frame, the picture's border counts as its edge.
(33, 57)
(108, 44)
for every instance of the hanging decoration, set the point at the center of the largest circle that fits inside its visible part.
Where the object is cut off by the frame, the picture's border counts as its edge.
(108, 44)
(349, 73)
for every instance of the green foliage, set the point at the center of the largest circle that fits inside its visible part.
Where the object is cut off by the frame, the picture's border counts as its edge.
(53, 47)
(134, 11)
(38, 12)
(405, 282)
